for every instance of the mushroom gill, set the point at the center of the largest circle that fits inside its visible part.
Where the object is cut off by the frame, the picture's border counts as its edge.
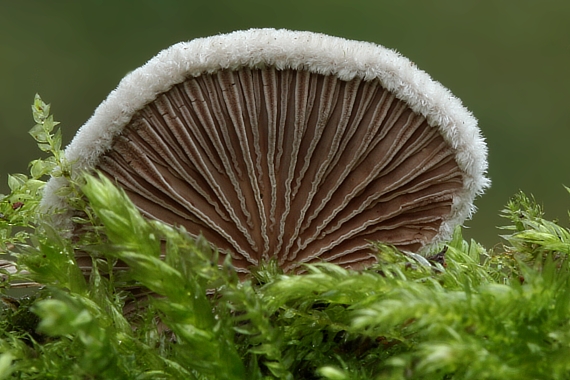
(292, 145)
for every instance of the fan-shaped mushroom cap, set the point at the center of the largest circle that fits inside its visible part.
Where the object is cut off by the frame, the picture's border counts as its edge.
(289, 144)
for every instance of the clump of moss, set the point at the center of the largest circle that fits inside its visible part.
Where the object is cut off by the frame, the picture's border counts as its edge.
(462, 312)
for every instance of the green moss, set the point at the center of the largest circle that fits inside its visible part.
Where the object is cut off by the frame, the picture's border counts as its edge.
(464, 313)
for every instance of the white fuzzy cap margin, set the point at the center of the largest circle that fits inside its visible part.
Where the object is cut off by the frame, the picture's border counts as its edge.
(284, 49)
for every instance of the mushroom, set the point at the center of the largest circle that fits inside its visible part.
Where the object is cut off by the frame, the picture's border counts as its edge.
(293, 145)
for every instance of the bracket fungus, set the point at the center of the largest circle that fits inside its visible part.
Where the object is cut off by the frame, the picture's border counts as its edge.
(294, 145)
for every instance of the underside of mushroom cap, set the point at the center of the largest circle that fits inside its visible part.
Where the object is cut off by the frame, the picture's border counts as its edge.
(295, 145)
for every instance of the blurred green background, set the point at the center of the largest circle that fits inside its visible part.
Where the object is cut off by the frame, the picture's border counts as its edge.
(508, 60)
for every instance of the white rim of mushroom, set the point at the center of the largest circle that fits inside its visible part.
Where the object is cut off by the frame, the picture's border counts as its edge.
(286, 50)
